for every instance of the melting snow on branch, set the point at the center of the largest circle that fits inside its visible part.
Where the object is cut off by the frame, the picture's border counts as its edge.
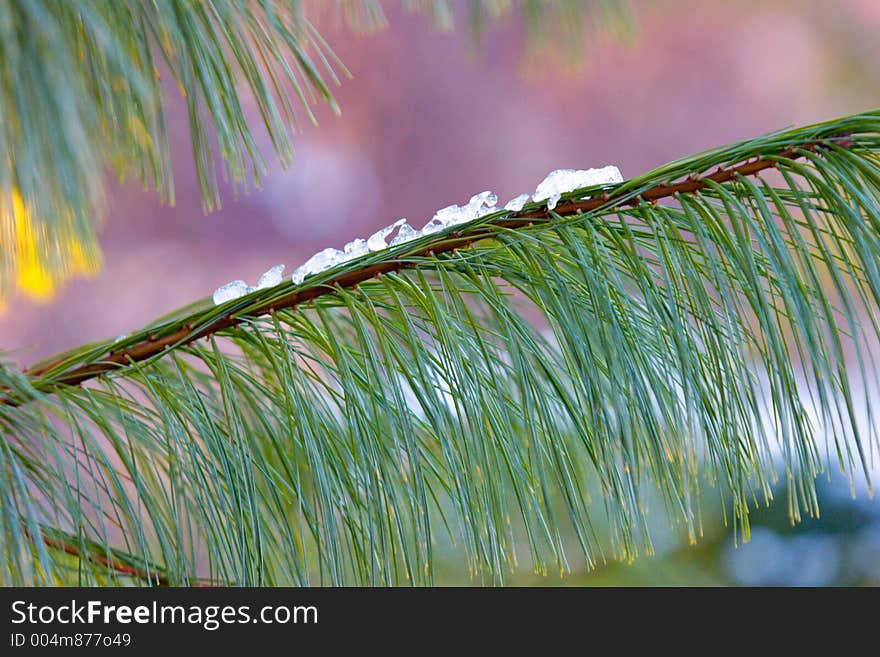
(562, 181)
(238, 288)
(230, 291)
(550, 189)
(270, 278)
(405, 234)
(323, 259)
(355, 249)
(479, 206)
(516, 204)
(379, 240)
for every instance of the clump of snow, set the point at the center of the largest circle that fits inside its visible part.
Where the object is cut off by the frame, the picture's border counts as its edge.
(238, 288)
(355, 249)
(327, 258)
(479, 206)
(562, 181)
(321, 261)
(405, 234)
(516, 204)
(379, 240)
(270, 278)
(400, 232)
(232, 290)
(487, 201)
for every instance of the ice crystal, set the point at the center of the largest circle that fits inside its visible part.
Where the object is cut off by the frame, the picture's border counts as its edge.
(270, 278)
(232, 290)
(480, 205)
(321, 261)
(562, 181)
(405, 234)
(516, 204)
(378, 240)
(355, 249)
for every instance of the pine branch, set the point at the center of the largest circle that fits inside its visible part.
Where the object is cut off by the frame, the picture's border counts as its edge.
(157, 343)
(713, 317)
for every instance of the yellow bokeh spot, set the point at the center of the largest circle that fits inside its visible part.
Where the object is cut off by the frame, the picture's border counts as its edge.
(36, 262)
(82, 263)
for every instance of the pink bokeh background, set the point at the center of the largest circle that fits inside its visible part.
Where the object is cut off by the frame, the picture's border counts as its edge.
(428, 119)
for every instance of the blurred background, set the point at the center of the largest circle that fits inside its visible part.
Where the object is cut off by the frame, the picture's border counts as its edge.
(431, 117)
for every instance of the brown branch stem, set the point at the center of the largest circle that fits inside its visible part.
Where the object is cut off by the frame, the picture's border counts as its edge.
(110, 563)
